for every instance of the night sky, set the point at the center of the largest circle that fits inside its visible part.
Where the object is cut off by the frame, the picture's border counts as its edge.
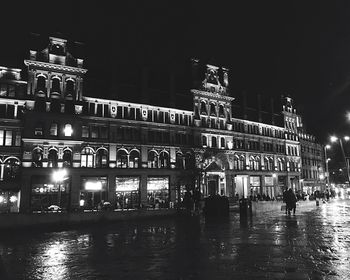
(301, 48)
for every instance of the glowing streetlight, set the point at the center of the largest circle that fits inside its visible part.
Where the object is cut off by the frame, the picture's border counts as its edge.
(59, 176)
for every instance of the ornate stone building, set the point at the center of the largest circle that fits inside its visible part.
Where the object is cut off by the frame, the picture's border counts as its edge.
(76, 151)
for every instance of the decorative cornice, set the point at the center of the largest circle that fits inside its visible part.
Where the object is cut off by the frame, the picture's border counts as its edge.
(50, 66)
(212, 95)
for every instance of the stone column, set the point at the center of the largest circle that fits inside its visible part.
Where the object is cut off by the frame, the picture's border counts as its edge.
(111, 197)
(75, 191)
(25, 193)
(143, 189)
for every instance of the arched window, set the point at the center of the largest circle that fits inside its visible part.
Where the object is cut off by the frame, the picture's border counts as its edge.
(235, 162)
(268, 163)
(179, 161)
(203, 108)
(257, 163)
(53, 129)
(241, 163)
(41, 84)
(164, 159)
(152, 159)
(212, 109)
(134, 159)
(251, 163)
(11, 170)
(87, 157)
(52, 158)
(37, 157)
(55, 86)
(70, 88)
(204, 141)
(213, 142)
(222, 140)
(221, 111)
(67, 158)
(101, 158)
(122, 159)
(281, 165)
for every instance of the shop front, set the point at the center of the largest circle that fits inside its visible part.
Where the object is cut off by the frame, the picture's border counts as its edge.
(127, 192)
(93, 192)
(46, 192)
(255, 187)
(158, 192)
(268, 191)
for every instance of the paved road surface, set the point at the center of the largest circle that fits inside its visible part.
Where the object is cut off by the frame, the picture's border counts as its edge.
(313, 244)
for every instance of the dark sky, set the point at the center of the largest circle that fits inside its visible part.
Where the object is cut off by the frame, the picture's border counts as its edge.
(271, 47)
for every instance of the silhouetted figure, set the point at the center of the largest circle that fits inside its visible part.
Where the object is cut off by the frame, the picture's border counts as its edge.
(188, 202)
(197, 199)
(291, 201)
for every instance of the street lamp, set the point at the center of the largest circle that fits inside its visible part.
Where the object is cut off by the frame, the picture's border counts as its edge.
(58, 177)
(326, 158)
(346, 138)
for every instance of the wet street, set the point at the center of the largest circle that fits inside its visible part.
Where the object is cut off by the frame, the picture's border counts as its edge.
(313, 244)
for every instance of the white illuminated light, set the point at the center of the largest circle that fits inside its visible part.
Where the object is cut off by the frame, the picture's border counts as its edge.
(230, 145)
(81, 202)
(334, 138)
(13, 199)
(346, 138)
(59, 175)
(274, 175)
(93, 186)
(68, 131)
(321, 176)
(2, 199)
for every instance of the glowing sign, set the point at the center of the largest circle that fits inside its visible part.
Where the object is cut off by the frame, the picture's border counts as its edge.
(93, 186)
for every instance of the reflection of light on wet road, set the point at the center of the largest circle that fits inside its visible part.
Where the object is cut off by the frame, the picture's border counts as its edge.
(52, 261)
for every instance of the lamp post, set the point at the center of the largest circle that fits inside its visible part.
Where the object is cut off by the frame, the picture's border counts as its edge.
(326, 159)
(58, 177)
(346, 138)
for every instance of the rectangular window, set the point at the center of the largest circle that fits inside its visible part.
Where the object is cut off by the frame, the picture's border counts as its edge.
(12, 91)
(84, 131)
(2, 137)
(94, 131)
(104, 132)
(3, 90)
(8, 139)
(18, 138)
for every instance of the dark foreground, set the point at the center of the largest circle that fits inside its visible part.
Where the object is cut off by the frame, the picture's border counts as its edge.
(313, 244)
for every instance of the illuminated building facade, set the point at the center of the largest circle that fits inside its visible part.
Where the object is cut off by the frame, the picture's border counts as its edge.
(130, 154)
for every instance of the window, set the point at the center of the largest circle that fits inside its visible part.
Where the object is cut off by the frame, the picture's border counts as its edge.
(122, 159)
(222, 143)
(104, 132)
(213, 142)
(134, 159)
(94, 132)
(102, 158)
(8, 138)
(204, 141)
(41, 84)
(152, 159)
(67, 158)
(53, 129)
(164, 159)
(55, 85)
(179, 161)
(70, 88)
(18, 138)
(68, 130)
(11, 170)
(38, 131)
(203, 108)
(189, 161)
(2, 133)
(52, 158)
(84, 131)
(37, 157)
(212, 110)
(87, 157)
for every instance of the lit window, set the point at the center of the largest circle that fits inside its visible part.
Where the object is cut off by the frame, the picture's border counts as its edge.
(53, 129)
(1, 137)
(85, 131)
(68, 131)
(8, 139)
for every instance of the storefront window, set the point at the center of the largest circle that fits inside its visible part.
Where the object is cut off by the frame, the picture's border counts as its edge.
(122, 159)
(87, 157)
(9, 202)
(93, 192)
(152, 159)
(134, 159)
(158, 192)
(45, 193)
(11, 169)
(127, 192)
(102, 158)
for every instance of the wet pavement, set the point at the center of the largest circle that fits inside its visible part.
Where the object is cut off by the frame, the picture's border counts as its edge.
(313, 244)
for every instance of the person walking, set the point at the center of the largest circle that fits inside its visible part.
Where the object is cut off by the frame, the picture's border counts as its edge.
(197, 200)
(285, 200)
(291, 201)
(188, 202)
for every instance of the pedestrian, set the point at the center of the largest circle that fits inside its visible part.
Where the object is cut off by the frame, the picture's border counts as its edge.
(284, 195)
(197, 199)
(188, 202)
(291, 201)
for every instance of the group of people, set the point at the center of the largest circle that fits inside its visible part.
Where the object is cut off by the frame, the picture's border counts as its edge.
(290, 199)
(192, 200)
